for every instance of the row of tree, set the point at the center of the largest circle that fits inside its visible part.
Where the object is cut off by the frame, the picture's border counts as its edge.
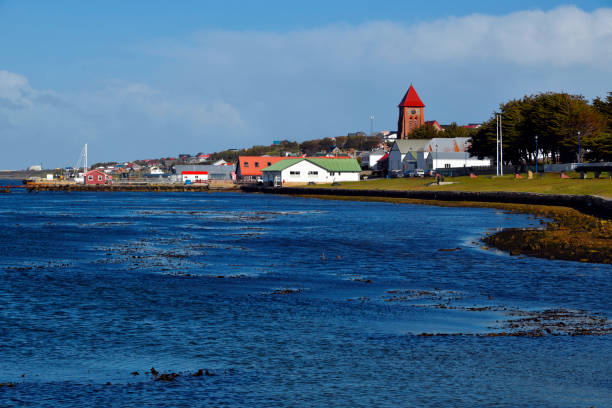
(354, 141)
(357, 141)
(564, 125)
(428, 131)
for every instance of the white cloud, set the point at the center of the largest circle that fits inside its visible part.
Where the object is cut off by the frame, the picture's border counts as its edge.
(15, 91)
(220, 89)
(562, 36)
(123, 121)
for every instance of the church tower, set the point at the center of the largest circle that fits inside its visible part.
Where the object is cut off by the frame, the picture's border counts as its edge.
(410, 113)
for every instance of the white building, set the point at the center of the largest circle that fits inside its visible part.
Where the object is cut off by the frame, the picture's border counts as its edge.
(370, 159)
(408, 154)
(448, 160)
(189, 177)
(432, 154)
(315, 170)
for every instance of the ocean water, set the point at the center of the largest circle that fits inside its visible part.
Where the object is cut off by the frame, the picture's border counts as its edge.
(285, 301)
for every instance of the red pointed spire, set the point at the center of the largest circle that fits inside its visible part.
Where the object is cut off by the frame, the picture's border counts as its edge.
(411, 99)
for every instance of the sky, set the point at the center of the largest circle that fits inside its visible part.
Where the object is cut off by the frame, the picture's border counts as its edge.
(148, 79)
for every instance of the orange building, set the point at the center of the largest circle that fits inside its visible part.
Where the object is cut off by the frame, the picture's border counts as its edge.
(249, 167)
(411, 114)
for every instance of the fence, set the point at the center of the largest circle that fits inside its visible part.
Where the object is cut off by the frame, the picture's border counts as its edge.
(511, 169)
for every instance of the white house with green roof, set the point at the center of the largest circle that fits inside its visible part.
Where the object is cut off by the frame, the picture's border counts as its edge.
(309, 169)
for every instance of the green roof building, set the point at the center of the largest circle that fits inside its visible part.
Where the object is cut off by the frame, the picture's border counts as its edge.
(317, 170)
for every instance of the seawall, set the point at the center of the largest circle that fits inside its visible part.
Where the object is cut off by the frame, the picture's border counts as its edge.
(592, 205)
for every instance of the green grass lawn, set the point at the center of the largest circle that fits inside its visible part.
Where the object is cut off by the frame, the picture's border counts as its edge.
(551, 183)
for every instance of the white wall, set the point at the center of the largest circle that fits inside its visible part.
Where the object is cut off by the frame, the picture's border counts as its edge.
(195, 177)
(454, 160)
(370, 158)
(309, 172)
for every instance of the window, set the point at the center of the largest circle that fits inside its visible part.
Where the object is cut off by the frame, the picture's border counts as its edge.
(331, 173)
(99, 178)
(89, 177)
(294, 173)
(269, 164)
(447, 165)
(246, 164)
(256, 164)
(313, 173)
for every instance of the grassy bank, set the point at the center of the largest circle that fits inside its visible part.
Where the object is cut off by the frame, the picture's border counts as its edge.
(550, 183)
(568, 235)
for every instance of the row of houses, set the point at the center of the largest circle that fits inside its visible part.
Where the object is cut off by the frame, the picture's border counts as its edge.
(274, 170)
(406, 155)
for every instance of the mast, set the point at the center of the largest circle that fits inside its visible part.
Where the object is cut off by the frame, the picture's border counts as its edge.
(496, 144)
(501, 145)
(85, 159)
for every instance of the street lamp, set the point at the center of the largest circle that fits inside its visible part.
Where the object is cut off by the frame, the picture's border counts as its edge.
(436, 161)
(536, 137)
(579, 152)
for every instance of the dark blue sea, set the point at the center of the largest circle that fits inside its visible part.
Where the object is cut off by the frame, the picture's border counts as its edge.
(286, 302)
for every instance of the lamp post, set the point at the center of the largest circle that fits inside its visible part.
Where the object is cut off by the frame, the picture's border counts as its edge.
(501, 146)
(579, 152)
(436, 161)
(465, 147)
(497, 142)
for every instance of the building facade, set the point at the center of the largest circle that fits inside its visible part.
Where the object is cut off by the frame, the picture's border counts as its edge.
(432, 154)
(97, 177)
(311, 170)
(411, 113)
(249, 167)
(190, 177)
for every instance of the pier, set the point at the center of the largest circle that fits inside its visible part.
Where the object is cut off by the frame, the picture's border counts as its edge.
(140, 187)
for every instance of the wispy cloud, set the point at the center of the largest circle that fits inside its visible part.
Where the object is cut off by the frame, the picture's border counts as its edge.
(219, 89)
(563, 36)
(122, 120)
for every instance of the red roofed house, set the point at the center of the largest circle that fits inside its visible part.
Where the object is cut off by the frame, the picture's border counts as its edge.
(97, 177)
(194, 177)
(411, 114)
(249, 167)
(435, 125)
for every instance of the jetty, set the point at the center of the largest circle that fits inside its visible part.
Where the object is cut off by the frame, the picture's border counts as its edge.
(122, 187)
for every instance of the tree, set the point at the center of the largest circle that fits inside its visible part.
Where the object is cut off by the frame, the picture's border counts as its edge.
(453, 130)
(425, 131)
(601, 146)
(556, 118)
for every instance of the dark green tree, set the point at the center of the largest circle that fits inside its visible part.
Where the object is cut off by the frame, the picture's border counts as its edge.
(425, 131)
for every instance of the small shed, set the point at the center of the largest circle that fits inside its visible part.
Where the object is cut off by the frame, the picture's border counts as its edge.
(97, 177)
(195, 177)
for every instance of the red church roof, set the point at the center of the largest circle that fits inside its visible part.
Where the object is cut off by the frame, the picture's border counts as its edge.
(411, 99)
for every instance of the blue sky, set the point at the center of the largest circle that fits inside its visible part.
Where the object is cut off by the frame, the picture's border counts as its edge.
(144, 79)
